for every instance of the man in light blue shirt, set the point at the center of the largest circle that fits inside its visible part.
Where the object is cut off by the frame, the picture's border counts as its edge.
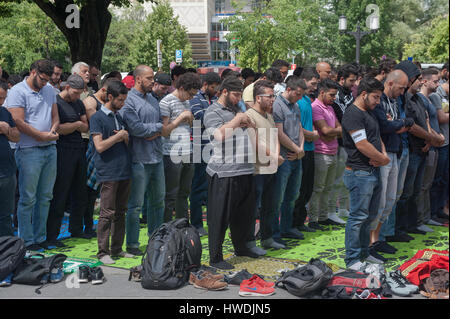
(32, 104)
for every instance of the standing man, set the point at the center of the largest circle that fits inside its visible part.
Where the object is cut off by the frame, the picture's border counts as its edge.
(324, 70)
(283, 66)
(347, 75)
(8, 133)
(289, 175)
(177, 120)
(94, 73)
(161, 86)
(142, 117)
(71, 163)
(55, 80)
(199, 189)
(366, 153)
(272, 74)
(231, 196)
(267, 161)
(311, 78)
(32, 104)
(325, 155)
(391, 127)
(82, 69)
(430, 83)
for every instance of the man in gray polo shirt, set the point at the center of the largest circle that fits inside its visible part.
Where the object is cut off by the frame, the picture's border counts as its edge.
(32, 104)
(231, 193)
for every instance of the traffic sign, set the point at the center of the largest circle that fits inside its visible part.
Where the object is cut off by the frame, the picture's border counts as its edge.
(179, 56)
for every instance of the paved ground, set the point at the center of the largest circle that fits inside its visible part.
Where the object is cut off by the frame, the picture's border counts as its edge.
(118, 286)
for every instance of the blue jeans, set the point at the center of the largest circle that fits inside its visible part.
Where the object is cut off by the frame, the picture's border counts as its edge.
(37, 175)
(264, 187)
(287, 189)
(7, 203)
(388, 228)
(407, 205)
(439, 189)
(150, 178)
(365, 191)
(199, 194)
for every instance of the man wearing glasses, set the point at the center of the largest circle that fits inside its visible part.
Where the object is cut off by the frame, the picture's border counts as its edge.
(32, 104)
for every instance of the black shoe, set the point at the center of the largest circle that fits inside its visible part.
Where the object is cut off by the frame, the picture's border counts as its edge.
(416, 231)
(294, 234)
(222, 265)
(81, 235)
(57, 243)
(97, 275)
(246, 253)
(142, 220)
(47, 245)
(91, 234)
(34, 247)
(279, 240)
(135, 251)
(84, 274)
(306, 229)
(315, 225)
(328, 222)
(384, 247)
(397, 238)
(373, 253)
(237, 278)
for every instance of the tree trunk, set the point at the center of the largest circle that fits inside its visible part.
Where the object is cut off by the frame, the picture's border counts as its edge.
(86, 43)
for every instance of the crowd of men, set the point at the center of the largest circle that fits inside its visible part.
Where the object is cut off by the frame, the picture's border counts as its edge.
(270, 155)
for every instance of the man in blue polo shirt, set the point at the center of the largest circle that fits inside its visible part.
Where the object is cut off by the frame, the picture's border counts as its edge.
(8, 132)
(32, 104)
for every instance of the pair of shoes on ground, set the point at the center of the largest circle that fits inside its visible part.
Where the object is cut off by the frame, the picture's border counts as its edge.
(107, 259)
(399, 285)
(237, 277)
(94, 275)
(204, 279)
(56, 275)
(256, 287)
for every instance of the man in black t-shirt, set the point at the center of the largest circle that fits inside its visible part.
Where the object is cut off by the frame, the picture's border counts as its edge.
(366, 152)
(71, 163)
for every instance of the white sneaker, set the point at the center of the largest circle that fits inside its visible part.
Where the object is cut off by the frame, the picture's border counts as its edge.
(376, 270)
(335, 218)
(425, 228)
(343, 212)
(434, 223)
(358, 266)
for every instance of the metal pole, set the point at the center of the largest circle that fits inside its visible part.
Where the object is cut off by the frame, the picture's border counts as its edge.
(358, 42)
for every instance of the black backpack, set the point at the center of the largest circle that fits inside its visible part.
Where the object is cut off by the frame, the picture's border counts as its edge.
(193, 245)
(163, 264)
(306, 280)
(36, 269)
(12, 252)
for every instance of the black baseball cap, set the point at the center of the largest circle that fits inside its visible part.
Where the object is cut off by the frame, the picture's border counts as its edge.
(163, 78)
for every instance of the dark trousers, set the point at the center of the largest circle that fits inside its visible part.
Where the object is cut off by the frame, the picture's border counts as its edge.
(111, 222)
(306, 189)
(231, 202)
(88, 217)
(439, 189)
(406, 213)
(7, 190)
(70, 183)
(264, 186)
(178, 178)
(199, 194)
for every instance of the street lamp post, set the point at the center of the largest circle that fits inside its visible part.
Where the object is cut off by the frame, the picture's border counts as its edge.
(358, 34)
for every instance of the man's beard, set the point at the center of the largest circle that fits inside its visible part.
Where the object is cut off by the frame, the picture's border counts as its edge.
(36, 84)
(230, 104)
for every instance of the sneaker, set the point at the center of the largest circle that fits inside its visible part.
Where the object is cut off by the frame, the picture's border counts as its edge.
(202, 232)
(254, 288)
(206, 282)
(335, 218)
(222, 265)
(35, 247)
(432, 222)
(306, 229)
(384, 247)
(366, 294)
(270, 243)
(416, 231)
(358, 266)
(425, 228)
(107, 260)
(293, 233)
(206, 273)
(328, 222)
(343, 212)
(260, 281)
(397, 238)
(123, 254)
(97, 275)
(236, 278)
(6, 282)
(56, 275)
(375, 270)
(397, 286)
(47, 245)
(413, 288)
(374, 260)
(84, 274)
(373, 253)
(315, 225)
(135, 251)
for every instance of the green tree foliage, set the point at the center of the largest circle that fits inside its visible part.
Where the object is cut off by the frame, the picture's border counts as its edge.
(27, 35)
(160, 24)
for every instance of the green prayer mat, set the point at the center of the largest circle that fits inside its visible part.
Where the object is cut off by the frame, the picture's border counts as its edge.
(326, 245)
